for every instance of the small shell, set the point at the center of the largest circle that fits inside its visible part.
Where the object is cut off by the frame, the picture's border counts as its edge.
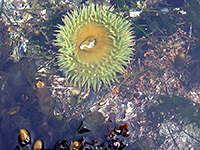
(24, 137)
(39, 84)
(117, 131)
(123, 127)
(179, 59)
(76, 144)
(38, 145)
(36, 33)
(125, 134)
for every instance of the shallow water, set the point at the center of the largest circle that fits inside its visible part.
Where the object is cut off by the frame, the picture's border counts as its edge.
(157, 97)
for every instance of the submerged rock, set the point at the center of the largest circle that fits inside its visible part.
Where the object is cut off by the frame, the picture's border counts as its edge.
(5, 49)
(21, 77)
(44, 98)
(6, 98)
(95, 121)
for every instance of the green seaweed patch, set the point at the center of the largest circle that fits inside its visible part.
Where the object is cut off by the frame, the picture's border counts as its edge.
(178, 106)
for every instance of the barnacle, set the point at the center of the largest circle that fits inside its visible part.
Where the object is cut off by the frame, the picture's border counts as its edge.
(95, 45)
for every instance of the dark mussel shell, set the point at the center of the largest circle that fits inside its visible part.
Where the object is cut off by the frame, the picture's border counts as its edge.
(38, 145)
(24, 137)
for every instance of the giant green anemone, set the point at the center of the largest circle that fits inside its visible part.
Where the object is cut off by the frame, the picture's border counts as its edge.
(95, 45)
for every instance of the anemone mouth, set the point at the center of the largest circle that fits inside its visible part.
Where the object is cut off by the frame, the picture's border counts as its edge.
(94, 43)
